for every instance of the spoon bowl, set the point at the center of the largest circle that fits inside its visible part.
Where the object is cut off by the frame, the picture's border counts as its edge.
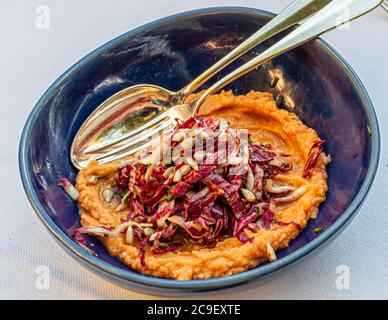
(127, 123)
(119, 117)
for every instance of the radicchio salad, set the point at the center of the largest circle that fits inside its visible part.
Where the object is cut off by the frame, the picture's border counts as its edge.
(206, 183)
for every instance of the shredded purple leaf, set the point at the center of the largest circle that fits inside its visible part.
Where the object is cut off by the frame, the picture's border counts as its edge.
(205, 205)
(313, 157)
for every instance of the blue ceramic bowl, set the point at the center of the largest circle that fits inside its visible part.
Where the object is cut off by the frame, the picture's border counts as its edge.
(319, 86)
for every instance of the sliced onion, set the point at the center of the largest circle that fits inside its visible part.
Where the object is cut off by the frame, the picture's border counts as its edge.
(129, 235)
(250, 180)
(271, 253)
(271, 187)
(297, 194)
(69, 188)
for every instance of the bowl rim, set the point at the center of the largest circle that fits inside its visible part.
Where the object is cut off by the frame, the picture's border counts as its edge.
(213, 283)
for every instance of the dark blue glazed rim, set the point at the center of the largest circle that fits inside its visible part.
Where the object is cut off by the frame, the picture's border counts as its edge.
(119, 275)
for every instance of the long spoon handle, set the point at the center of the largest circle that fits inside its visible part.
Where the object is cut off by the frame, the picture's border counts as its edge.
(336, 13)
(296, 12)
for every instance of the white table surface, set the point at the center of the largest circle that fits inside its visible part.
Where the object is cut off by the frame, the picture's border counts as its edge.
(31, 59)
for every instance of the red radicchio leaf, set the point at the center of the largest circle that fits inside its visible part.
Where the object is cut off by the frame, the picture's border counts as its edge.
(148, 189)
(132, 215)
(143, 245)
(243, 222)
(158, 172)
(226, 218)
(137, 206)
(141, 169)
(253, 228)
(211, 123)
(138, 232)
(220, 157)
(267, 216)
(196, 175)
(217, 211)
(208, 200)
(231, 195)
(132, 181)
(199, 195)
(123, 177)
(214, 187)
(220, 212)
(258, 178)
(78, 236)
(260, 154)
(195, 229)
(210, 242)
(206, 218)
(188, 124)
(204, 223)
(236, 181)
(180, 189)
(285, 167)
(198, 206)
(164, 209)
(179, 207)
(217, 229)
(313, 156)
(243, 237)
(168, 232)
(157, 196)
(199, 201)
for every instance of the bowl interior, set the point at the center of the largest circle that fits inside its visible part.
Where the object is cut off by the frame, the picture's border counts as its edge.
(170, 53)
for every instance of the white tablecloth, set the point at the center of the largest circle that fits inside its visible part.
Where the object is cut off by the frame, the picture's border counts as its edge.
(32, 58)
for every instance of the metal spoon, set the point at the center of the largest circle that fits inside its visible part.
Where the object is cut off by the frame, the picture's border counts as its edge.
(137, 112)
(123, 124)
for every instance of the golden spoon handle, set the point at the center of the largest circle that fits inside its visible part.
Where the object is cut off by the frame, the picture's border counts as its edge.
(336, 13)
(296, 12)
(385, 5)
